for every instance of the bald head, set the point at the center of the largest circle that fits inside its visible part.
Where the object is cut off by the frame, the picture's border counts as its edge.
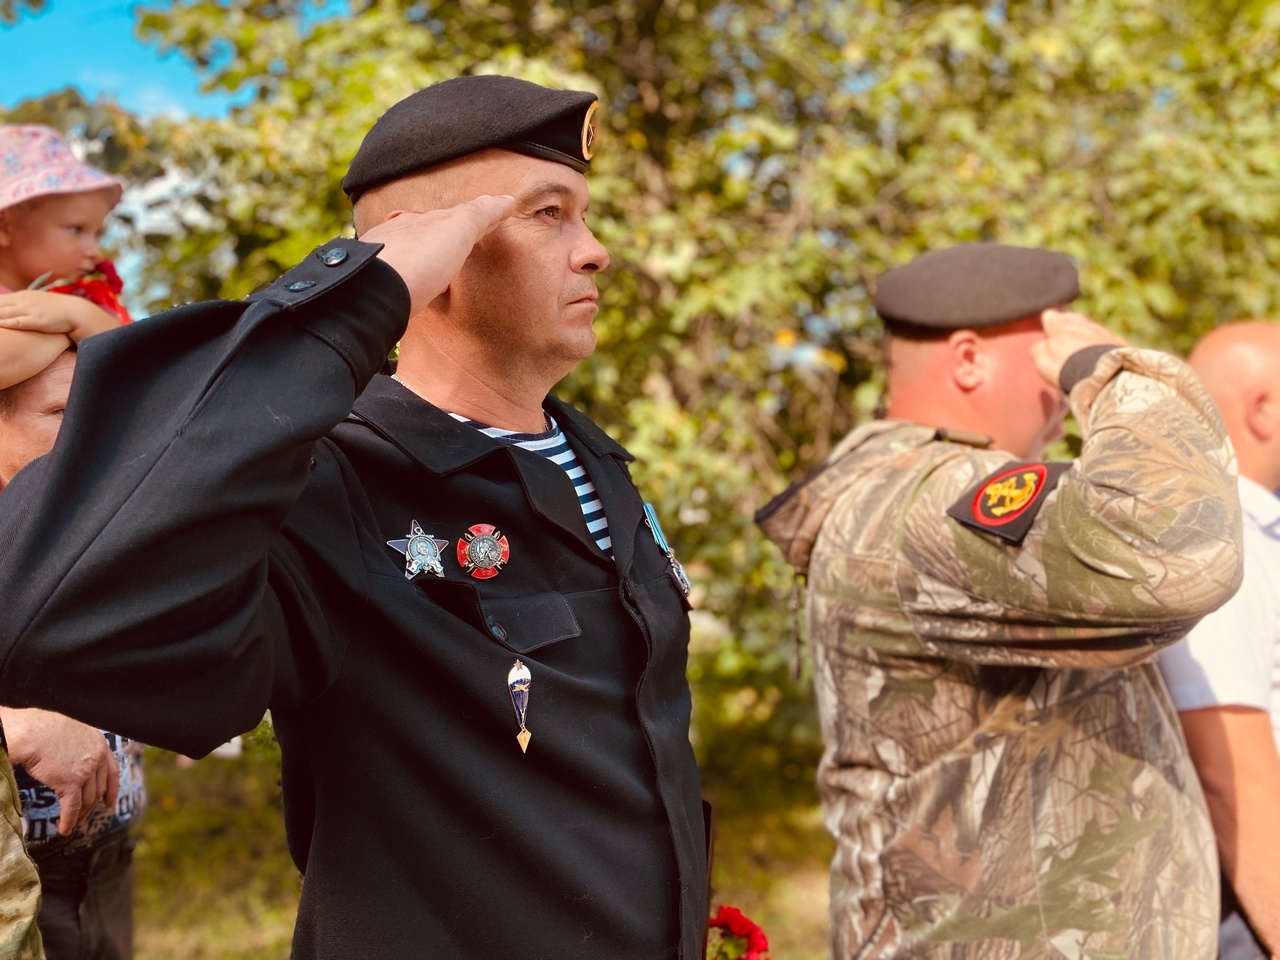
(1239, 364)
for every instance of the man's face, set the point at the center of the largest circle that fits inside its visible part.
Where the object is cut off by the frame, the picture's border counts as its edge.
(1027, 414)
(55, 235)
(528, 290)
(29, 423)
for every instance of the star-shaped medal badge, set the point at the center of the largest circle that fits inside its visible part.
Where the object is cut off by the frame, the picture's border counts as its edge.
(421, 552)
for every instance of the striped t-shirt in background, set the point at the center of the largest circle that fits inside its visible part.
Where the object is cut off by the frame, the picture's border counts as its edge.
(553, 445)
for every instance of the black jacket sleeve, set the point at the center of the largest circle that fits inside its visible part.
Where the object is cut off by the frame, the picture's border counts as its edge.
(145, 584)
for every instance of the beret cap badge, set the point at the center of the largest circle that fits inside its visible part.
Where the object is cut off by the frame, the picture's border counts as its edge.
(589, 132)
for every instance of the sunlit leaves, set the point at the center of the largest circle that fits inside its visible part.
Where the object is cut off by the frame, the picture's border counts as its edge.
(760, 164)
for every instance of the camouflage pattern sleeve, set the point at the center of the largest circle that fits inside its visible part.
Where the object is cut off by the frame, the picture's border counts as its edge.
(19, 882)
(1140, 538)
(990, 802)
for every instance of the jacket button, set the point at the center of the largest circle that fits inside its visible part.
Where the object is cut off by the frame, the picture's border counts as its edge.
(333, 257)
(497, 630)
(298, 285)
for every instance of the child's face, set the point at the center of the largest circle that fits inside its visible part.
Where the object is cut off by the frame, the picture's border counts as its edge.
(56, 235)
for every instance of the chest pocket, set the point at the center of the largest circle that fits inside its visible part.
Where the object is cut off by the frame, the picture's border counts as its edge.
(527, 623)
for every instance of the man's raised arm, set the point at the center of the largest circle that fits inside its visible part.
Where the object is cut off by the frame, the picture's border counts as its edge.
(144, 583)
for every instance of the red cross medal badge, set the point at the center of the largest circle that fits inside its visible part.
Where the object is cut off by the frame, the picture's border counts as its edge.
(483, 550)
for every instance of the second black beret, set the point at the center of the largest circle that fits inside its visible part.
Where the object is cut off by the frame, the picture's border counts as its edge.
(451, 119)
(976, 285)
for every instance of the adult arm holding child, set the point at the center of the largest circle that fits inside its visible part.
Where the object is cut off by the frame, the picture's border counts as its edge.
(28, 317)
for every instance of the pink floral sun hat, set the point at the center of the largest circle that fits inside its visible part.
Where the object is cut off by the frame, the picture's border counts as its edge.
(35, 162)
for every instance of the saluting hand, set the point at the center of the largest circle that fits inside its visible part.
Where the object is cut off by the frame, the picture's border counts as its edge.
(1066, 332)
(70, 758)
(428, 249)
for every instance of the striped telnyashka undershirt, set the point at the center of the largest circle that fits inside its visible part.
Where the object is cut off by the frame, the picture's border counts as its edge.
(553, 445)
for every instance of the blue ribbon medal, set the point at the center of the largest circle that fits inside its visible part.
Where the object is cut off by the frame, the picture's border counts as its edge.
(673, 565)
(518, 681)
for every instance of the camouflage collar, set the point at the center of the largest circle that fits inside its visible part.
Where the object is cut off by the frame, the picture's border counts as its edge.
(793, 518)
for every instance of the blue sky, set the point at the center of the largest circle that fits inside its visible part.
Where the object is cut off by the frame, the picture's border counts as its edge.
(90, 44)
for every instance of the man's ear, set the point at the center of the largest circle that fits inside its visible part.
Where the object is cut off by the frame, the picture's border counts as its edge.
(1262, 414)
(967, 359)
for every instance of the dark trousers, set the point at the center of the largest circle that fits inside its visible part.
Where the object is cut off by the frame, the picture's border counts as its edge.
(1231, 905)
(86, 902)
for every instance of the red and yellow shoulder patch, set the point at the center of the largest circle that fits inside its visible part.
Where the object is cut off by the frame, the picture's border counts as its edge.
(1006, 502)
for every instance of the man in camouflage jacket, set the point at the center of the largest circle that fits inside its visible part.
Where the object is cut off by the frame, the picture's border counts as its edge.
(1004, 773)
(19, 882)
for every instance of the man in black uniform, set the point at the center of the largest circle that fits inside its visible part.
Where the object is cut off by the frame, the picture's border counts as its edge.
(471, 636)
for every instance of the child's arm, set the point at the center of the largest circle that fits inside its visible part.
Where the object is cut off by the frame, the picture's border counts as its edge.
(24, 353)
(47, 312)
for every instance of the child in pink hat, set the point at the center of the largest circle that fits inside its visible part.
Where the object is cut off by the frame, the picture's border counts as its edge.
(52, 210)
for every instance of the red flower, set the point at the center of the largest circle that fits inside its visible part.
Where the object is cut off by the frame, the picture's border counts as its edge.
(739, 936)
(101, 285)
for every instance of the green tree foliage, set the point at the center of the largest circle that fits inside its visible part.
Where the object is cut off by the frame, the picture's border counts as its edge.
(215, 881)
(112, 138)
(687, 372)
(760, 164)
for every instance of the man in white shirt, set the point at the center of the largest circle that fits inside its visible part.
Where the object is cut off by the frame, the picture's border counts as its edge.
(1225, 677)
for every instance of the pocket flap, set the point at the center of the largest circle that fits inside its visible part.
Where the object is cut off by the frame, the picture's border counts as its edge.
(528, 623)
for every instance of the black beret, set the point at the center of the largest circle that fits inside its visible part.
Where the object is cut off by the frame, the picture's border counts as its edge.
(460, 116)
(976, 285)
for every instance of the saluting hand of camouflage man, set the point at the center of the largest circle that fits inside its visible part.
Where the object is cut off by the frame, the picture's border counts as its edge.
(1066, 333)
